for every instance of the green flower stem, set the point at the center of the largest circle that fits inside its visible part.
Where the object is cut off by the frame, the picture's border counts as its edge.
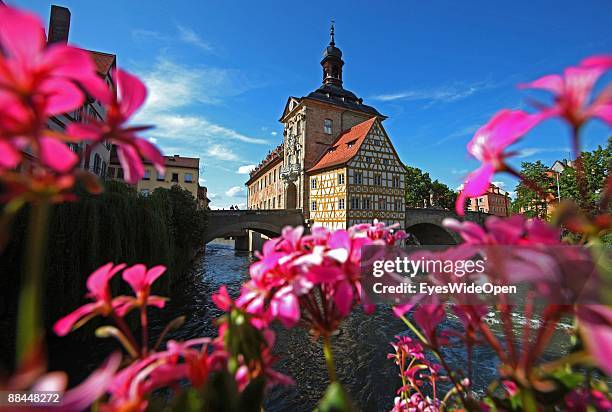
(329, 358)
(414, 329)
(29, 317)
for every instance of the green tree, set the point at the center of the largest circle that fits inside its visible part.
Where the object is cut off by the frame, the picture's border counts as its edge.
(528, 201)
(418, 185)
(596, 165)
(442, 196)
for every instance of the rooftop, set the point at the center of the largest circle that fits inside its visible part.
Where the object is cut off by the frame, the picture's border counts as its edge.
(104, 61)
(345, 147)
(272, 157)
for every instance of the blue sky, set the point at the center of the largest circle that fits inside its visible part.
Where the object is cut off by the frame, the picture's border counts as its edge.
(219, 73)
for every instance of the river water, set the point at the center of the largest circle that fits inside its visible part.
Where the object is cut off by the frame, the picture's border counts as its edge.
(360, 348)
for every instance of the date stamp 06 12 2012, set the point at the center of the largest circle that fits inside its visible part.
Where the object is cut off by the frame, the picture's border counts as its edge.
(31, 398)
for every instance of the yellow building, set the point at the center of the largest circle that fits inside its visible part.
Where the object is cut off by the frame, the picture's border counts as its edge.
(182, 171)
(360, 178)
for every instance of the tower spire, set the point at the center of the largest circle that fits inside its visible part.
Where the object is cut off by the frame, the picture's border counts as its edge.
(332, 61)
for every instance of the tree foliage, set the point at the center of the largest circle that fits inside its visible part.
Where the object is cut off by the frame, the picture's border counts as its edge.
(421, 191)
(596, 165)
(117, 226)
(529, 202)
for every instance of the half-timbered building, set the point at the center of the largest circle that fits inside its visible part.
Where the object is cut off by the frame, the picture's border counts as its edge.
(338, 164)
(359, 178)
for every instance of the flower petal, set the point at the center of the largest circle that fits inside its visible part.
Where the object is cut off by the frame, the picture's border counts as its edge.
(136, 277)
(343, 297)
(84, 131)
(603, 61)
(65, 324)
(21, 34)
(132, 90)
(552, 83)
(149, 151)
(82, 396)
(57, 155)
(154, 273)
(603, 111)
(62, 96)
(131, 162)
(9, 156)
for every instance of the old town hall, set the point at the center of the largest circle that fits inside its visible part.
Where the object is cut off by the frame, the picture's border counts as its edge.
(336, 163)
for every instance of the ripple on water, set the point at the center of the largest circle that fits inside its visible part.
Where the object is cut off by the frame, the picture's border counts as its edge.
(360, 348)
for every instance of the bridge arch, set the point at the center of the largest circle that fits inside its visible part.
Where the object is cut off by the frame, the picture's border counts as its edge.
(268, 230)
(222, 223)
(431, 234)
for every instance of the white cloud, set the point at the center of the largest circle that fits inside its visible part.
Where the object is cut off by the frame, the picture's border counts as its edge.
(142, 35)
(212, 195)
(189, 36)
(235, 191)
(245, 170)
(441, 94)
(222, 153)
(172, 88)
(273, 133)
(499, 184)
(532, 151)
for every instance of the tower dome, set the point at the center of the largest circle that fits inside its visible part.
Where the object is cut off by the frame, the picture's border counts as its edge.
(332, 62)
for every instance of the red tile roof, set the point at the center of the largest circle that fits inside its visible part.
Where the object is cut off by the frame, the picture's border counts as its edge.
(345, 147)
(103, 61)
(179, 161)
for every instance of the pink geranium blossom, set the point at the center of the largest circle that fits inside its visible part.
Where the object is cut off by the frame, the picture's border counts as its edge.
(516, 230)
(572, 92)
(99, 292)
(131, 147)
(488, 145)
(36, 82)
(140, 279)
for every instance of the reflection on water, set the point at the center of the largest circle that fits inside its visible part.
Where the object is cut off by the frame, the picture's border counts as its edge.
(360, 348)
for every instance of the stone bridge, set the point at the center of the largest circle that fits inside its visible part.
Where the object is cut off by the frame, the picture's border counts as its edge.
(424, 224)
(224, 223)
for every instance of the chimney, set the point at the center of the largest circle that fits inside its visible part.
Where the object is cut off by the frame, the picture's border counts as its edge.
(59, 25)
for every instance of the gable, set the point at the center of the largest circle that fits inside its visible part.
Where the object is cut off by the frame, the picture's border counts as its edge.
(292, 103)
(345, 147)
(377, 152)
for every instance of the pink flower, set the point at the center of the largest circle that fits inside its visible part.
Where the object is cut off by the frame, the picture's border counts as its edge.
(82, 396)
(602, 61)
(132, 148)
(595, 322)
(428, 317)
(515, 230)
(99, 292)
(572, 92)
(284, 306)
(37, 82)
(488, 146)
(222, 299)
(141, 279)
